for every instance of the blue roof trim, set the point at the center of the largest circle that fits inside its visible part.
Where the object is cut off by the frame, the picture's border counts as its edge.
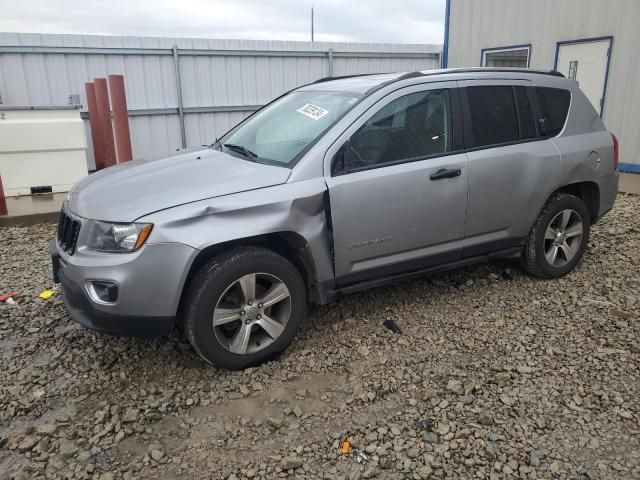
(507, 47)
(629, 167)
(606, 74)
(445, 46)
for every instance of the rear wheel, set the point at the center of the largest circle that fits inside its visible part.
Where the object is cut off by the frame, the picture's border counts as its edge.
(559, 237)
(244, 306)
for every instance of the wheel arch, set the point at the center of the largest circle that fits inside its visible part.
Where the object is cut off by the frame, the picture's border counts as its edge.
(290, 245)
(588, 192)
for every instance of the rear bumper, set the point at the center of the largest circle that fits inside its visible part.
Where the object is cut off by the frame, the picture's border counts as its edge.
(608, 186)
(135, 314)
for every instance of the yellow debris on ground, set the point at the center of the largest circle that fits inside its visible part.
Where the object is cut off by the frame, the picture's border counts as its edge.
(46, 294)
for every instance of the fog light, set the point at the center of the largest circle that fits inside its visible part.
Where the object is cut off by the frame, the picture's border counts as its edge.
(102, 291)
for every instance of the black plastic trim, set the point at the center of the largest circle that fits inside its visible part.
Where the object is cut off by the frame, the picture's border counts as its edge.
(402, 268)
(518, 112)
(535, 107)
(487, 248)
(458, 120)
(330, 289)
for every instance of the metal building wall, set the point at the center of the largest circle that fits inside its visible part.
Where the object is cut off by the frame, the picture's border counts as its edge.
(222, 81)
(475, 25)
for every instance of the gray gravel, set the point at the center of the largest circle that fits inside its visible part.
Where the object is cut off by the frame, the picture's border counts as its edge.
(495, 375)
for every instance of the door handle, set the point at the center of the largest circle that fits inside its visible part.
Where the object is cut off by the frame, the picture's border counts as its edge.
(446, 173)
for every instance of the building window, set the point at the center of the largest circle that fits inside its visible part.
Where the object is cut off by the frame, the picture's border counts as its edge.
(517, 57)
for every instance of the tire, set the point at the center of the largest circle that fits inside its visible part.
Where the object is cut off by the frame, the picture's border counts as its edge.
(227, 325)
(553, 222)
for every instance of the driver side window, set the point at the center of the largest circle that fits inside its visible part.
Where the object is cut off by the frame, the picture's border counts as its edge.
(409, 128)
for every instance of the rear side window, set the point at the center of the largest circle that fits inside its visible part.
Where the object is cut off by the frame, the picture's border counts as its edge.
(493, 115)
(554, 107)
(526, 118)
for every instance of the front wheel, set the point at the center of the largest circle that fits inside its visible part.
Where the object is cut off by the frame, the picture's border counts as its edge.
(243, 307)
(558, 238)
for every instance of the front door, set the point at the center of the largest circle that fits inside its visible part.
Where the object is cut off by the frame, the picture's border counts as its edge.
(398, 189)
(586, 62)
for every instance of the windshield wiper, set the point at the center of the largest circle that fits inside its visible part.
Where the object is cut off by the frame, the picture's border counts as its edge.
(241, 149)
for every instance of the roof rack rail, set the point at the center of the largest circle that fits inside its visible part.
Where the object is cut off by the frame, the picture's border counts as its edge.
(409, 75)
(340, 77)
(554, 73)
(429, 73)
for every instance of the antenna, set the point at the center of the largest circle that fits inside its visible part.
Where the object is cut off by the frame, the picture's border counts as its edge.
(311, 23)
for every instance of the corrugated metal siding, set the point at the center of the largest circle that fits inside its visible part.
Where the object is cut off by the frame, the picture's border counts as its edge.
(496, 23)
(232, 80)
(350, 66)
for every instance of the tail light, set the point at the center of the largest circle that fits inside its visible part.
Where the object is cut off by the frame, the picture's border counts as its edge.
(616, 151)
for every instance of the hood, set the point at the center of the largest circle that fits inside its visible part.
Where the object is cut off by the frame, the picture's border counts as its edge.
(126, 192)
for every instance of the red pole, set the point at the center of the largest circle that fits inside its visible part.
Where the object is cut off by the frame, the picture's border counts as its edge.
(94, 122)
(120, 117)
(3, 202)
(104, 117)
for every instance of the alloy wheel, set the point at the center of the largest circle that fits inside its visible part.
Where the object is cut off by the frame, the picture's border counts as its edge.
(252, 313)
(563, 237)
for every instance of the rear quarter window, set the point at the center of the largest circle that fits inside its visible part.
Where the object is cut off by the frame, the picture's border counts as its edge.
(554, 107)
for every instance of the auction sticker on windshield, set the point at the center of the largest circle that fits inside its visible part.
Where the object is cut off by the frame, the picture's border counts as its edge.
(312, 111)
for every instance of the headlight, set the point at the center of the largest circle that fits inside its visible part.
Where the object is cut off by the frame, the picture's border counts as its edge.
(117, 237)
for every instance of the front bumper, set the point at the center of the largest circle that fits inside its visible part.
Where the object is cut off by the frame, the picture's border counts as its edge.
(150, 284)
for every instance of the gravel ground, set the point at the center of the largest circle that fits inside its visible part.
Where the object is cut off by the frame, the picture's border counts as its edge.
(494, 375)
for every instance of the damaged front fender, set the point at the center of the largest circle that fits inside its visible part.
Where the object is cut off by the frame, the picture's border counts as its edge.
(297, 207)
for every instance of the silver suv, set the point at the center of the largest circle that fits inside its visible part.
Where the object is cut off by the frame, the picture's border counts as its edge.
(337, 186)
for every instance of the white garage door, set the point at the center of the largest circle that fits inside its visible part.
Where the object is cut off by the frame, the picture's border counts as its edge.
(586, 62)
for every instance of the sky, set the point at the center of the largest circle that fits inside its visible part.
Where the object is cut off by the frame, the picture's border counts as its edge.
(393, 21)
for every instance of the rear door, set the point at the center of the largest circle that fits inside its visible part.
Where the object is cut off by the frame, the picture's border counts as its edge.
(511, 167)
(398, 185)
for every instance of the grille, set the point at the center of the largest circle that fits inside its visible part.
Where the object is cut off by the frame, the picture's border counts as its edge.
(68, 230)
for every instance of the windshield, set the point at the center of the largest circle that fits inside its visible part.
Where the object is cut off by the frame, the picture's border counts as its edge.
(279, 132)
